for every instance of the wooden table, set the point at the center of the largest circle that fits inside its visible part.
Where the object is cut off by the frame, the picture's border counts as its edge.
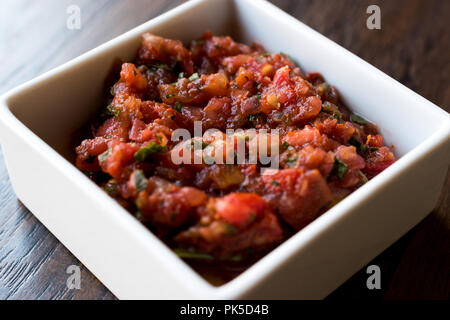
(412, 46)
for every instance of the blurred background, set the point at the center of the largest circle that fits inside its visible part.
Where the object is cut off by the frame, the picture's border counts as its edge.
(412, 46)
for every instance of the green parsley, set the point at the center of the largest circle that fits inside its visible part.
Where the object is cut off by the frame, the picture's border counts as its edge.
(199, 42)
(230, 229)
(188, 254)
(257, 96)
(323, 88)
(115, 111)
(111, 188)
(286, 55)
(205, 145)
(291, 161)
(275, 183)
(143, 68)
(236, 258)
(157, 66)
(91, 175)
(338, 116)
(360, 147)
(339, 168)
(140, 180)
(178, 106)
(194, 77)
(168, 96)
(144, 153)
(252, 117)
(362, 177)
(357, 119)
(102, 158)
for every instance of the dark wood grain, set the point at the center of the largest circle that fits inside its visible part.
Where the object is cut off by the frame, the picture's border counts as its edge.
(412, 46)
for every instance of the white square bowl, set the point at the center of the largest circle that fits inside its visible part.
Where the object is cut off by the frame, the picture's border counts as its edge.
(38, 119)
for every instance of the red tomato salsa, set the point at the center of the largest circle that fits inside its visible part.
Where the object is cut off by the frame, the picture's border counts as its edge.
(226, 213)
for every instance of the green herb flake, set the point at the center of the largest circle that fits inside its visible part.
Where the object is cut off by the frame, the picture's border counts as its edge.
(134, 72)
(188, 254)
(114, 111)
(286, 55)
(181, 75)
(357, 119)
(362, 177)
(138, 215)
(252, 217)
(360, 147)
(327, 109)
(373, 149)
(338, 116)
(230, 229)
(140, 180)
(138, 203)
(291, 161)
(285, 145)
(234, 86)
(204, 145)
(323, 88)
(257, 96)
(102, 158)
(91, 175)
(275, 183)
(199, 42)
(143, 68)
(236, 258)
(168, 96)
(178, 106)
(194, 77)
(144, 153)
(111, 188)
(157, 66)
(265, 54)
(339, 168)
(252, 117)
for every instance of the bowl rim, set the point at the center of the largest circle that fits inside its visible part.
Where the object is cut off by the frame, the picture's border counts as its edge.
(280, 255)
